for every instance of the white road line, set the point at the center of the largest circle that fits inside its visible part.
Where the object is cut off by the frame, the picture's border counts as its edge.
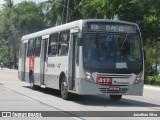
(29, 98)
(76, 118)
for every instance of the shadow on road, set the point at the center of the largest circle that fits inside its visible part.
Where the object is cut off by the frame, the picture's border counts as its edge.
(99, 100)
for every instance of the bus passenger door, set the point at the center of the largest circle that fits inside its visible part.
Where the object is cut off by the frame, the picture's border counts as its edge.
(43, 61)
(72, 61)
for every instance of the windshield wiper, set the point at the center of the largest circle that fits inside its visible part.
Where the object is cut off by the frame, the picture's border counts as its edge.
(124, 41)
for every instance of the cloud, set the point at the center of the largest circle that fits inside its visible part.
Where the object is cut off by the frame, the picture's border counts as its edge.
(18, 1)
(1, 2)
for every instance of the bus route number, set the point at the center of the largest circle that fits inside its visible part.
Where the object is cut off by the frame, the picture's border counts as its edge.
(104, 81)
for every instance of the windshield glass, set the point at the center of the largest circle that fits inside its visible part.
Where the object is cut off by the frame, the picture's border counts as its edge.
(112, 52)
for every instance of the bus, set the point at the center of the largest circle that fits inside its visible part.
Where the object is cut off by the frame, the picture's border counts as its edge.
(85, 57)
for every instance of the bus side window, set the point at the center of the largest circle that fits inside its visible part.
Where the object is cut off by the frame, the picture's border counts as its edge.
(37, 48)
(63, 43)
(52, 47)
(30, 49)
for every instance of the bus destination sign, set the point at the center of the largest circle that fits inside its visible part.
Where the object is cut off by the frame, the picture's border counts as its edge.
(112, 27)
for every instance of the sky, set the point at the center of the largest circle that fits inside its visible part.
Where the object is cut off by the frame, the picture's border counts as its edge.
(18, 1)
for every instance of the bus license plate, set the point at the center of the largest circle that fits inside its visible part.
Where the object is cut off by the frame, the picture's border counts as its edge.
(114, 88)
(104, 81)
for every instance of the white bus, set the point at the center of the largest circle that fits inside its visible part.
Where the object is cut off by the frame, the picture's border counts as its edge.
(85, 57)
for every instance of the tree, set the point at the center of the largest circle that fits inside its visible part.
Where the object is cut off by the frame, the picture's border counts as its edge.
(6, 26)
(59, 12)
(27, 18)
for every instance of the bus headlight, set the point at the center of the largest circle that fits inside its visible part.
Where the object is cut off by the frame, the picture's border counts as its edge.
(89, 76)
(138, 78)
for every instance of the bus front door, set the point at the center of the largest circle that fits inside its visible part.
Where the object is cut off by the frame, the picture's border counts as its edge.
(43, 61)
(72, 61)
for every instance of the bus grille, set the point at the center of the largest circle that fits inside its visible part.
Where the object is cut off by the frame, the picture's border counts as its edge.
(125, 76)
(106, 90)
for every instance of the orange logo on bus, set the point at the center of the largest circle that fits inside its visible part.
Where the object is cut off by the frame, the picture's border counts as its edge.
(31, 64)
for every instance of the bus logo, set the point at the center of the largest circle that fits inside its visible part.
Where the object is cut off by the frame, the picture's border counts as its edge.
(31, 64)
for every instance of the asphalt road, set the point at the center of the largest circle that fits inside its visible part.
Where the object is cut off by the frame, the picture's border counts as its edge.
(17, 96)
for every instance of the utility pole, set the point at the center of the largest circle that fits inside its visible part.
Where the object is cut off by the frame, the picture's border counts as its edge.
(67, 11)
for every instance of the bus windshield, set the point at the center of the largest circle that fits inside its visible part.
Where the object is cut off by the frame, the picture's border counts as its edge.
(113, 53)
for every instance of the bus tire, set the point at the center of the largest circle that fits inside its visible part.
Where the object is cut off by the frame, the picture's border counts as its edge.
(64, 89)
(32, 85)
(115, 97)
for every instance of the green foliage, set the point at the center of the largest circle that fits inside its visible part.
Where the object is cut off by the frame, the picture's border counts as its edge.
(153, 80)
(3, 52)
(152, 54)
(27, 17)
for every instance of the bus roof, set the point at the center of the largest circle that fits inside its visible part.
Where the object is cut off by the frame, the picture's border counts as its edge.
(68, 26)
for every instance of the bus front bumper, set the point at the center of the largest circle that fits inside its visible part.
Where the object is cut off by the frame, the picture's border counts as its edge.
(87, 88)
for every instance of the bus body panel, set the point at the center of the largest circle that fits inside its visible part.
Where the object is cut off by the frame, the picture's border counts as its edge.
(20, 68)
(36, 71)
(27, 70)
(55, 66)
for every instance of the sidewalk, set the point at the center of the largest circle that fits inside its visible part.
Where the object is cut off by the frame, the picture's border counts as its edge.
(7, 69)
(151, 87)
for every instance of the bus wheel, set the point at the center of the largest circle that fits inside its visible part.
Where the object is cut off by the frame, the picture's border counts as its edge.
(32, 85)
(115, 97)
(64, 91)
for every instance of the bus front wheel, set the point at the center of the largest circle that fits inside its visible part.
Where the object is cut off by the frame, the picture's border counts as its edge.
(115, 97)
(64, 89)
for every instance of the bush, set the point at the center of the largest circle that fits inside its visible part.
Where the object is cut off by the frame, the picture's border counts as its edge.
(153, 80)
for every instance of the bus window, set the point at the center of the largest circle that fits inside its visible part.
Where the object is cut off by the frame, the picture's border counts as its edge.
(63, 43)
(63, 49)
(52, 47)
(37, 47)
(30, 49)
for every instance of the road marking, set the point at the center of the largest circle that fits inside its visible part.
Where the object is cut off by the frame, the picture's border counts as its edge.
(7, 89)
(76, 118)
(61, 111)
(29, 98)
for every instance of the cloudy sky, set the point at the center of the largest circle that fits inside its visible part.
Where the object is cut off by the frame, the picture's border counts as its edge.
(18, 1)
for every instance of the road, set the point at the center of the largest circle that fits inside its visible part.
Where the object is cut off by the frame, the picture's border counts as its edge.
(17, 96)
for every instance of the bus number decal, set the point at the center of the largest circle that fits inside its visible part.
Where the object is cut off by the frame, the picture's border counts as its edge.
(104, 81)
(58, 65)
(50, 65)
